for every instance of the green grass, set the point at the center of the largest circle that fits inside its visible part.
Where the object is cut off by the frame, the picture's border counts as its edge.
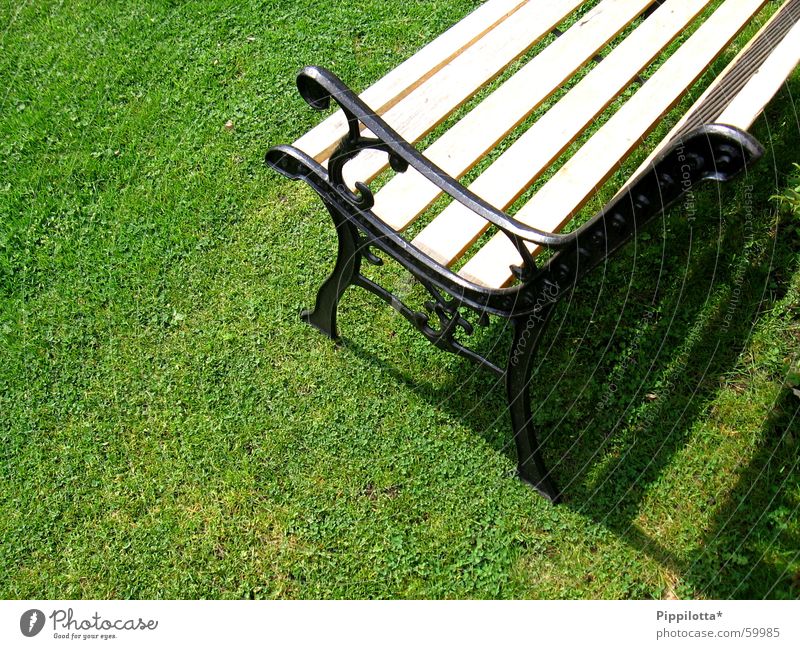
(169, 428)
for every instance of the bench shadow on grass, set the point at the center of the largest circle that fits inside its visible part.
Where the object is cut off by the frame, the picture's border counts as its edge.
(635, 453)
(608, 450)
(742, 546)
(748, 549)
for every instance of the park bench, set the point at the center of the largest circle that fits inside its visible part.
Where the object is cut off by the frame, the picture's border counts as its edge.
(592, 78)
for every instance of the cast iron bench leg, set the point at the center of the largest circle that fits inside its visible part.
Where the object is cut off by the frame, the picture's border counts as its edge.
(530, 463)
(348, 263)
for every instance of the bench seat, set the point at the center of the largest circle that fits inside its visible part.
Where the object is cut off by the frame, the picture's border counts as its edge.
(538, 104)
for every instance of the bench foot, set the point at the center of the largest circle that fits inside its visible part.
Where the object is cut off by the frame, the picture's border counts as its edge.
(348, 262)
(545, 487)
(531, 467)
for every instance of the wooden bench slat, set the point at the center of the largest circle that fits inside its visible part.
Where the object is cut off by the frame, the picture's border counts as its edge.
(569, 189)
(705, 110)
(752, 99)
(407, 195)
(456, 228)
(320, 141)
(456, 82)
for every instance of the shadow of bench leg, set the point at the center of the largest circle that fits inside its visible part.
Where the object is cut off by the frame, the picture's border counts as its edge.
(531, 466)
(348, 262)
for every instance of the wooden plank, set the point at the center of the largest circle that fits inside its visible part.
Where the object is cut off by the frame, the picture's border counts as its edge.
(451, 86)
(407, 195)
(573, 184)
(320, 141)
(750, 101)
(456, 228)
(784, 60)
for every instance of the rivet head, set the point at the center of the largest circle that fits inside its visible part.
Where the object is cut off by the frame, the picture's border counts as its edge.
(695, 161)
(725, 157)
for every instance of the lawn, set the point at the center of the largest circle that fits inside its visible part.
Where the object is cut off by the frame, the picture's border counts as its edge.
(170, 429)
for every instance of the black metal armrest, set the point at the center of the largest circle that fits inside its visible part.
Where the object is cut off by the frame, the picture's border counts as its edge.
(318, 86)
(724, 151)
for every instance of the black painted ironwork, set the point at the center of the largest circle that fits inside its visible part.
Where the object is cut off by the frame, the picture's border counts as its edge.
(711, 152)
